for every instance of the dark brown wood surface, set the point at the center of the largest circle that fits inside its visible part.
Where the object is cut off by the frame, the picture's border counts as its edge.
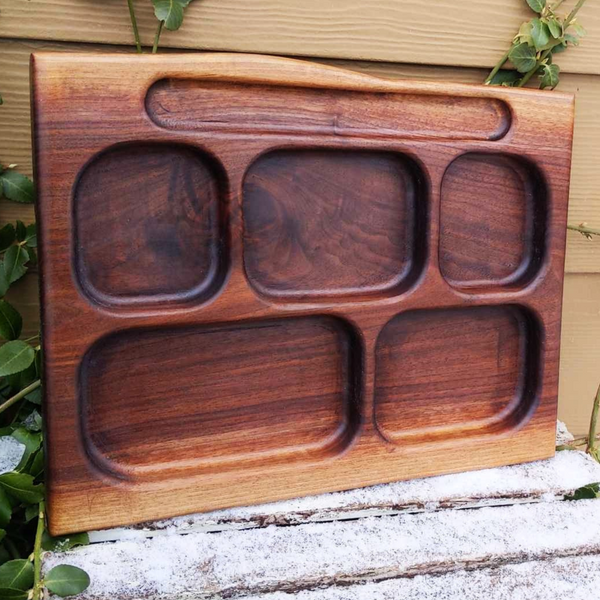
(265, 278)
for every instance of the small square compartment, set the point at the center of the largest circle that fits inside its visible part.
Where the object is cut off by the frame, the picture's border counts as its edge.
(492, 221)
(329, 223)
(453, 373)
(150, 225)
(208, 398)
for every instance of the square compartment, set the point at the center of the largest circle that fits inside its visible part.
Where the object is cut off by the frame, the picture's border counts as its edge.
(150, 225)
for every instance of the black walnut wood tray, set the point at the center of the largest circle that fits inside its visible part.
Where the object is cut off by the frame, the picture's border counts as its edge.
(264, 278)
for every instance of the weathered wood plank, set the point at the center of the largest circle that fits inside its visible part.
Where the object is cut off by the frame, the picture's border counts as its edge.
(541, 481)
(553, 579)
(583, 256)
(278, 559)
(471, 33)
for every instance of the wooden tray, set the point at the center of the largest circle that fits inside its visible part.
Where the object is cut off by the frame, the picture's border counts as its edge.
(265, 278)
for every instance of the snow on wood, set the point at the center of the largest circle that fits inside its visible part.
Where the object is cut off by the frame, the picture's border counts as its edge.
(314, 555)
(532, 482)
(553, 579)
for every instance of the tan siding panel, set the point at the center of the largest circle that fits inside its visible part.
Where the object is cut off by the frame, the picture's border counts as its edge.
(467, 33)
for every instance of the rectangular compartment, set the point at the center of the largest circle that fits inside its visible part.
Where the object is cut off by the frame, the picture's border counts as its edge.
(323, 223)
(451, 373)
(220, 397)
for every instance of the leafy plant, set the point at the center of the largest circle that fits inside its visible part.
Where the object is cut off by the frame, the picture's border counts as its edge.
(169, 13)
(23, 535)
(537, 42)
(587, 492)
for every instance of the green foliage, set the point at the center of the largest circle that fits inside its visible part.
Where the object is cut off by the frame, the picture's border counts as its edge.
(534, 45)
(523, 57)
(65, 580)
(170, 12)
(537, 5)
(16, 187)
(65, 542)
(11, 322)
(16, 574)
(586, 492)
(549, 76)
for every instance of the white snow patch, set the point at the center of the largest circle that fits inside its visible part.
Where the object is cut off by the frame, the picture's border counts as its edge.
(563, 435)
(11, 452)
(555, 579)
(200, 565)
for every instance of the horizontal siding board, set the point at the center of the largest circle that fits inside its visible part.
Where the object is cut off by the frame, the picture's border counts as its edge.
(469, 33)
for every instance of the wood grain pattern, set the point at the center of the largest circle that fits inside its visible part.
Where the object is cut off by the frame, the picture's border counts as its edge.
(472, 33)
(219, 398)
(206, 106)
(322, 224)
(98, 476)
(492, 221)
(423, 391)
(167, 224)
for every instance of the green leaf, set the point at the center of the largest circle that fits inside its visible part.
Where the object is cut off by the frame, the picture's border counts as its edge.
(37, 466)
(22, 487)
(2, 534)
(12, 594)
(17, 187)
(522, 57)
(21, 231)
(31, 236)
(550, 76)
(505, 78)
(560, 47)
(5, 509)
(17, 574)
(579, 29)
(31, 512)
(65, 542)
(7, 236)
(170, 12)
(537, 5)
(4, 284)
(65, 580)
(15, 259)
(555, 27)
(524, 34)
(15, 357)
(11, 321)
(32, 441)
(540, 33)
(586, 492)
(35, 397)
(573, 39)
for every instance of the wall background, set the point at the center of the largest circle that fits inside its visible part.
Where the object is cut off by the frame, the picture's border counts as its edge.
(443, 40)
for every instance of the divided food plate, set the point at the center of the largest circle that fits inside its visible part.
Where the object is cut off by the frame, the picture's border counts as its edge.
(264, 278)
